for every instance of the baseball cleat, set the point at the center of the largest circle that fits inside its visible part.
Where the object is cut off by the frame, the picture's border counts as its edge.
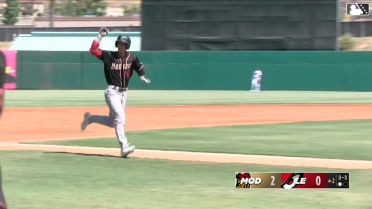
(127, 151)
(85, 121)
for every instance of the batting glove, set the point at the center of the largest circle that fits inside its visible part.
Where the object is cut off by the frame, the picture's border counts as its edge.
(102, 32)
(145, 79)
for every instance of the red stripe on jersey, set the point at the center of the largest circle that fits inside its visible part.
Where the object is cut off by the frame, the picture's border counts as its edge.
(127, 71)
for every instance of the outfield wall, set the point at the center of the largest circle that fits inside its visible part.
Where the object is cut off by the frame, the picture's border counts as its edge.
(217, 70)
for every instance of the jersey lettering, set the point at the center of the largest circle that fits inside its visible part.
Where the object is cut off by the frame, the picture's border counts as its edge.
(115, 66)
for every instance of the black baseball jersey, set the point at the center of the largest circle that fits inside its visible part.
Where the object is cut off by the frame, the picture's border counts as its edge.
(119, 70)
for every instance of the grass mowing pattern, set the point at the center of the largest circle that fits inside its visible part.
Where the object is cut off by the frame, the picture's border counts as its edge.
(348, 139)
(34, 179)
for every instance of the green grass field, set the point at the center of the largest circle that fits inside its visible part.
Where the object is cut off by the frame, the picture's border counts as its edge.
(140, 97)
(36, 179)
(328, 139)
(58, 180)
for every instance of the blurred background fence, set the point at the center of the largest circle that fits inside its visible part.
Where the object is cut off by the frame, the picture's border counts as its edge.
(211, 45)
(7, 33)
(240, 25)
(219, 70)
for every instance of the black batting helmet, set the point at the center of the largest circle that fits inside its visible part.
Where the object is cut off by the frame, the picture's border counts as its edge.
(123, 39)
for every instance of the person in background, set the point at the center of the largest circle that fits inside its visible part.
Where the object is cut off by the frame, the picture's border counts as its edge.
(256, 79)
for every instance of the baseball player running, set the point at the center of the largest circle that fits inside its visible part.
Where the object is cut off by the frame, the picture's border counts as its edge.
(118, 69)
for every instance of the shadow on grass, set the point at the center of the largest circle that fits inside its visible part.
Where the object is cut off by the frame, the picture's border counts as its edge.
(86, 154)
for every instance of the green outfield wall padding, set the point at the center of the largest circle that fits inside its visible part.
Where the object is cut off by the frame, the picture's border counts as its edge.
(200, 70)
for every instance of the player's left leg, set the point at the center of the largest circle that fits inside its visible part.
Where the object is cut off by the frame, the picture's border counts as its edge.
(258, 85)
(126, 147)
(254, 85)
(116, 116)
(119, 122)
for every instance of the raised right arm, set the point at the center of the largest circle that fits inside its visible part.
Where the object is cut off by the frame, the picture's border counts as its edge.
(94, 50)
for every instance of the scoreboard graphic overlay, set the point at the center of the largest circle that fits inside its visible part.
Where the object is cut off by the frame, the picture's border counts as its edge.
(292, 180)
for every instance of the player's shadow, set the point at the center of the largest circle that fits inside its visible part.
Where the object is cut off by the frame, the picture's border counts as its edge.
(84, 154)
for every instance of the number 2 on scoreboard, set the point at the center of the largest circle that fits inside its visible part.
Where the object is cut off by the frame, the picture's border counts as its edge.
(272, 181)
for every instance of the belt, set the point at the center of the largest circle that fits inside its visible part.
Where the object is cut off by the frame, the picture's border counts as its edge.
(117, 88)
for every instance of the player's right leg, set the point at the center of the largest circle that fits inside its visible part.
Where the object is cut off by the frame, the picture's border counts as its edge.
(110, 98)
(86, 121)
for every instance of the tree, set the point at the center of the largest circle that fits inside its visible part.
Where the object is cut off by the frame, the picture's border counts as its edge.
(11, 12)
(82, 7)
(131, 9)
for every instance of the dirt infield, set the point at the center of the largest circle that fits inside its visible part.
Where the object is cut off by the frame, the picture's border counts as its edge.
(22, 124)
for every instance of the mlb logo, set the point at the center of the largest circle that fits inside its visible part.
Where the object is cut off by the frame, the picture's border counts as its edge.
(356, 9)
